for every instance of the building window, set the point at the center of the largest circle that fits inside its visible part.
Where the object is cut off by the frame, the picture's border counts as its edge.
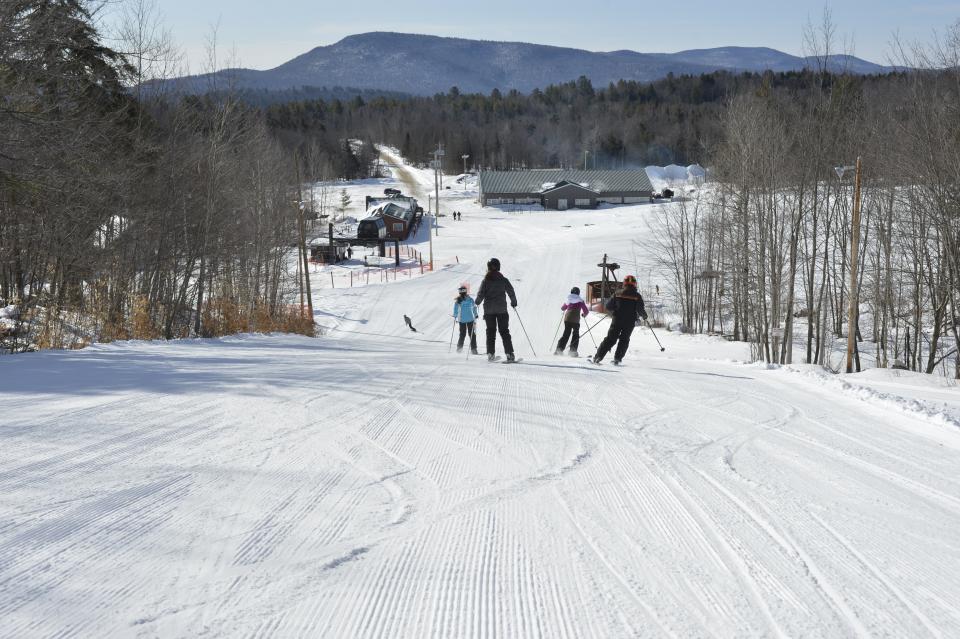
(582, 202)
(398, 227)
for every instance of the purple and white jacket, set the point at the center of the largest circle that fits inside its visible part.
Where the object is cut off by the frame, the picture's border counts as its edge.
(574, 307)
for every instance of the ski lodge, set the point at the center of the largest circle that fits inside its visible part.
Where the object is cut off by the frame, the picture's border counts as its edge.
(562, 189)
(393, 217)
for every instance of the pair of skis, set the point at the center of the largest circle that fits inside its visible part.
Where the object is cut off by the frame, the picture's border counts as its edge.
(595, 363)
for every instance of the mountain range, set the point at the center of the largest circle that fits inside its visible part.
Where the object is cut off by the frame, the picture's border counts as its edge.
(425, 65)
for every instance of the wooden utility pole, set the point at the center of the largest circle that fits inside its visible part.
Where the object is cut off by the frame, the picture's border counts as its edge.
(854, 261)
(303, 243)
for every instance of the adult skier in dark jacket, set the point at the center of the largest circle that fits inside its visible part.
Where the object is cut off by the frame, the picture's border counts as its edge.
(627, 309)
(493, 295)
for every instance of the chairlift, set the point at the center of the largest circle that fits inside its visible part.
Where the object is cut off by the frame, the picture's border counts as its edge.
(599, 291)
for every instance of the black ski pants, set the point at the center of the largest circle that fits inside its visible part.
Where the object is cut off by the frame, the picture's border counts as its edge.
(501, 322)
(468, 327)
(618, 334)
(571, 331)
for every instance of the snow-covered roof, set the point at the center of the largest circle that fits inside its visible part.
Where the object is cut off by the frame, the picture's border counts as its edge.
(565, 184)
(535, 181)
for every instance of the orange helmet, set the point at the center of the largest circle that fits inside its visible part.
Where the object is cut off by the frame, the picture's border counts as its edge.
(630, 280)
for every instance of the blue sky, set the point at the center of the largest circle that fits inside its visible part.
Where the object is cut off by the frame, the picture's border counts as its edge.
(265, 34)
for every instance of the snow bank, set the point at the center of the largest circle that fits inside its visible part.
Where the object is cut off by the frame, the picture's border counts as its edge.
(673, 175)
(934, 412)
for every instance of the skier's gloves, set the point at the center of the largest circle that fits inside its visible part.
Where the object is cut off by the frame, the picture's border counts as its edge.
(514, 304)
(643, 314)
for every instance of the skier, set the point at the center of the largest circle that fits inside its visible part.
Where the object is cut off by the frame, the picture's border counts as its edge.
(409, 323)
(493, 295)
(572, 310)
(627, 309)
(465, 312)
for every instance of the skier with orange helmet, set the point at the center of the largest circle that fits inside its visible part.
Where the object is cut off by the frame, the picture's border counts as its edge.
(627, 309)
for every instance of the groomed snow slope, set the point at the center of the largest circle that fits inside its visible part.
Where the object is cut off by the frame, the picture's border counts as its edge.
(369, 484)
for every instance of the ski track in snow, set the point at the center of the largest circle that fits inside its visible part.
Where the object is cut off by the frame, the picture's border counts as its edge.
(370, 484)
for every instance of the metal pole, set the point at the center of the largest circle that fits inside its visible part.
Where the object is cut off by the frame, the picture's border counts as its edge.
(556, 332)
(655, 336)
(597, 323)
(854, 258)
(456, 320)
(524, 331)
(430, 236)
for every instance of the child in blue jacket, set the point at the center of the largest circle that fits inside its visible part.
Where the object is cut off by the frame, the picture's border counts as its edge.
(465, 312)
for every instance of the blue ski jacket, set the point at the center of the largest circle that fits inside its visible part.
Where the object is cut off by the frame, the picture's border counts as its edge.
(465, 310)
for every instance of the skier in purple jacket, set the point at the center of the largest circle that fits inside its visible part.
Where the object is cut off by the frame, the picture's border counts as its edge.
(572, 311)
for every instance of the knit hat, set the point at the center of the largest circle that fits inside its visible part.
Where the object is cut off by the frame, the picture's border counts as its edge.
(493, 264)
(575, 290)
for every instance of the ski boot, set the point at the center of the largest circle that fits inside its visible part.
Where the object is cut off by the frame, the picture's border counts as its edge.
(574, 353)
(559, 351)
(459, 349)
(491, 357)
(616, 362)
(510, 357)
(474, 351)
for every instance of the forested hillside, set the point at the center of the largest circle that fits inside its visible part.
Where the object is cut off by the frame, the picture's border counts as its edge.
(674, 120)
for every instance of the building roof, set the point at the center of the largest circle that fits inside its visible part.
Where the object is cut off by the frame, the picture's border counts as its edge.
(533, 181)
(394, 211)
(564, 184)
(374, 201)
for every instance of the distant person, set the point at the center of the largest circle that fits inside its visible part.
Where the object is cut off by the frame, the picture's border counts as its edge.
(409, 323)
(493, 295)
(573, 309)
(349, 253)
(627, 310)
(465, 312)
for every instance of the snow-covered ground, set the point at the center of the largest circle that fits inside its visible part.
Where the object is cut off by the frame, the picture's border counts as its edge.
(369, 483)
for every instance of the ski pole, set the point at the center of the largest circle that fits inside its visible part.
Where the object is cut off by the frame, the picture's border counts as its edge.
(594, 341)
(456, 320)
(595, 325)
(525, 331)
(556, 332)
(654, 336)
(471, 328)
